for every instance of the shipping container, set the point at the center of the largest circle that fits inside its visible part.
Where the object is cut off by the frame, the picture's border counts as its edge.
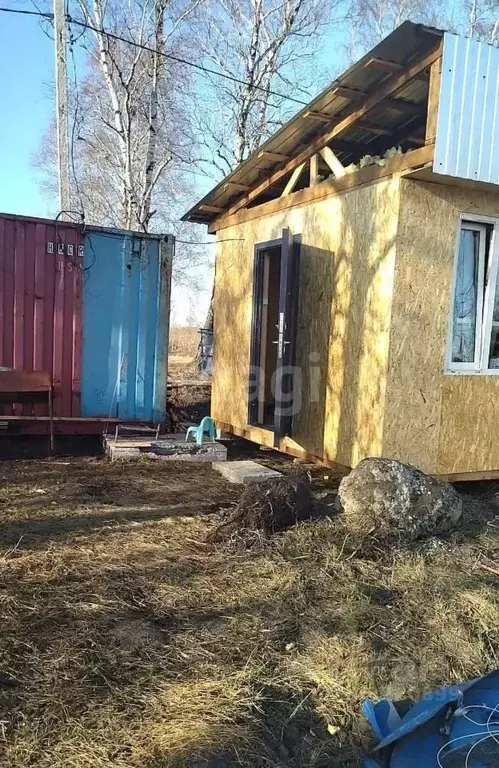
(41, 304)
(91, 307)
(126, 297)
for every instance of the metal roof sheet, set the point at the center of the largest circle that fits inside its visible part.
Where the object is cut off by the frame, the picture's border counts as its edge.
(468, 114)
(401, 46)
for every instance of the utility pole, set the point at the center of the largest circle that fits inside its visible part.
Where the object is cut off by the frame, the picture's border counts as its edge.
(61, 87)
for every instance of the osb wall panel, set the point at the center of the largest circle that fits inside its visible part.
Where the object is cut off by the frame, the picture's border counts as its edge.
(424, 423)
(346, 276)
(469, 439)
(362, 294)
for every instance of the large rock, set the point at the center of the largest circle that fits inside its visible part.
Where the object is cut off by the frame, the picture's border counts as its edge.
(386, 498)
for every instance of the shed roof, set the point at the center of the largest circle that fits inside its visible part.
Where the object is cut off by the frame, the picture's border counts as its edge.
(406, 43)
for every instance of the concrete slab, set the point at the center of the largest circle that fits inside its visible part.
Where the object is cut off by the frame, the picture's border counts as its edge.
(166, 448)
(244, 472)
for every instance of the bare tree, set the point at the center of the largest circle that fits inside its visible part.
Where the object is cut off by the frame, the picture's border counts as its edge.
(265, 49)
(130, 113)
(131, 142)
(266, 46)
(375, 19)
(482, 20)
(372, 20)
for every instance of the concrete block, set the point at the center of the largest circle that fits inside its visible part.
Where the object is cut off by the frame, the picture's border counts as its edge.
(244, 472)
(169, 448)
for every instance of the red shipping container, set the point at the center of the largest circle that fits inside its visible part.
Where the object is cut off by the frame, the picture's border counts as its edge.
(41, 306)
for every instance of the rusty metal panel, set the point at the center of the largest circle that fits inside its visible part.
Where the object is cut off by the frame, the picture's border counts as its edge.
(467, 140)
(40, 306)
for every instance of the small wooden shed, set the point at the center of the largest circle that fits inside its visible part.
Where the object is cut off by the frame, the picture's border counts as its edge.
(356, 291)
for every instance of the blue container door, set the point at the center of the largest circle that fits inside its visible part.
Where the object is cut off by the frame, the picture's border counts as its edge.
(125, 328)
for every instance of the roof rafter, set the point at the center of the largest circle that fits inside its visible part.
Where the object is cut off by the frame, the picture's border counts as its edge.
(332, 161)
(386, 90)
(293, 180)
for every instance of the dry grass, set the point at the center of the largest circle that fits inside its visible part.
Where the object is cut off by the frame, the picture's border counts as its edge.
(183, 341)
(128, 641)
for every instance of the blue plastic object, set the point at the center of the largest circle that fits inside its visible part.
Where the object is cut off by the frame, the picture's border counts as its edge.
(448, 728)
(207, 425)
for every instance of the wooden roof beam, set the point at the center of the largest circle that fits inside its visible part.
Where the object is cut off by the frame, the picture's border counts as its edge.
(321, 117)
(211, 208)
(344, 92)
(381, 130)
(384, 65)
(387, 89)
(293, 180)
(332, 161)
(391, 67)
(277, 156)
(236, 186)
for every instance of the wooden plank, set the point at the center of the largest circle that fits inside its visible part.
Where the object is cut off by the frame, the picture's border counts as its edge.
(433, 98)
(277, 156)
(210, 208)
(314, 170)
(334, 164)
(383, 65)
(321, 117)
(348, 93)
(293, 180)
(407, 163)
(388, 89)
(236, 186)
(24, 381)
(265, 437)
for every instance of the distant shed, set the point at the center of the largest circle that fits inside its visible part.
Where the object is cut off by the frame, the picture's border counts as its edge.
(357, 271)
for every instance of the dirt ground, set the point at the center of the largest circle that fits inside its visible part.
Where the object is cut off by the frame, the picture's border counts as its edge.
(127, 640)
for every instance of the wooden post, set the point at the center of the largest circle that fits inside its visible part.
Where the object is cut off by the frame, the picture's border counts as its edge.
(314, 170)
(433, 98)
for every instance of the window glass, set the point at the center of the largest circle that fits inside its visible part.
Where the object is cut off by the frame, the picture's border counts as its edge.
(466, 297)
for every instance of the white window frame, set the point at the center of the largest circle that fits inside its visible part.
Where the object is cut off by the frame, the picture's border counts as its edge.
(486, 293)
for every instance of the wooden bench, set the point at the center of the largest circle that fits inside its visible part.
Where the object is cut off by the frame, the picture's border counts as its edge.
(28, 388)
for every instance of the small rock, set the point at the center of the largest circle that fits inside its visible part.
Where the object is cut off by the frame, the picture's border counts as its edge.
(392, 500)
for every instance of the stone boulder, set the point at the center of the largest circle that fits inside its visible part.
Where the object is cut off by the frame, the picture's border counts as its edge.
(391, 500)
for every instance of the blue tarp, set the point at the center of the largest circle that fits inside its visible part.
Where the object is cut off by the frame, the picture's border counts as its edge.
(453, 727)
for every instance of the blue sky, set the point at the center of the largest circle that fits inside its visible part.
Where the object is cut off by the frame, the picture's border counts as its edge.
(27, 107)
(26, 74)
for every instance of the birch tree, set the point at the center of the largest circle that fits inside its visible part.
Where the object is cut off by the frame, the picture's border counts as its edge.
(131, 119)
(482, 20)
(372, 20)
(267, 47)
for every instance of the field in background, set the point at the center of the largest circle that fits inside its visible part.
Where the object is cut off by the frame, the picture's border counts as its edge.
(183, 341)
(190, 390)
(129, 642)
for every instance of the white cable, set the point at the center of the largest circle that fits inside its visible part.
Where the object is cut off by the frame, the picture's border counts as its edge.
(476, 745)
(459, 738)
(488, 723)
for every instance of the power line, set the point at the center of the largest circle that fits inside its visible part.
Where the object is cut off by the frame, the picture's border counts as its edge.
(169, 56)
(24, 12)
